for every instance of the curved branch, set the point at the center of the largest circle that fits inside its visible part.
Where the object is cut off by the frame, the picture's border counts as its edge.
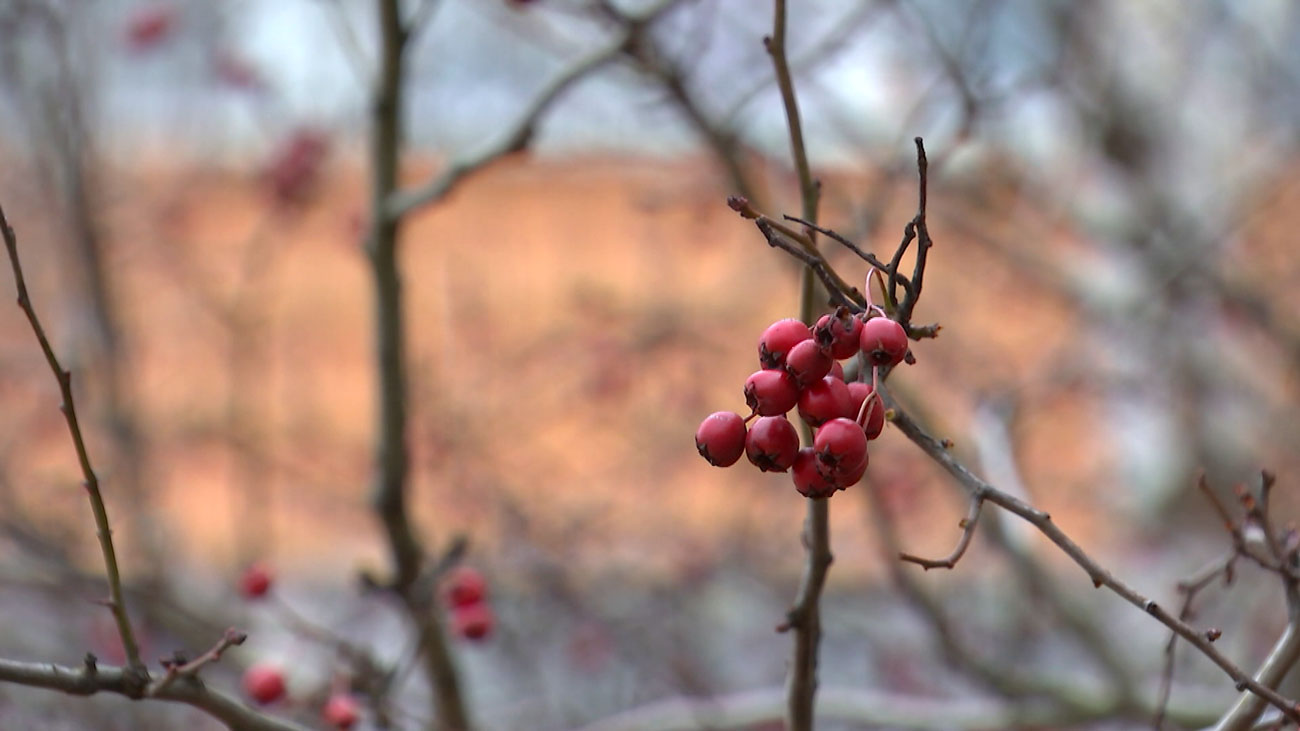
(979, 489)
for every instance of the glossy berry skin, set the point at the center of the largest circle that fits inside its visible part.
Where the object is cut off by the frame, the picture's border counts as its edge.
(771, 392)
(772, 444)
(464, 585)
(841, 447)
(341, 711)
(840, 333)
(721, 438)
(472, 621)
(875, 416)
(884, 341)
(808, 480)
(778, 339)
(808, 363)
(264, 683)
(825, 400)
(849, 477)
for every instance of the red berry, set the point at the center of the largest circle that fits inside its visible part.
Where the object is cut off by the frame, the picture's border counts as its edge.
(264, 683)
(840, 446)
(884, 341)
(342, 711)
(771, 393)
(825, 400)
(875, 416)
(150, 26)
(837, 371)
(808, 363)
(851, 477)
(472, 621)
(295, 166)
(778, 339)
(721, 438)
(464, 585)
(772, 444)
(840, 332)
(255, 581)
(807, 479)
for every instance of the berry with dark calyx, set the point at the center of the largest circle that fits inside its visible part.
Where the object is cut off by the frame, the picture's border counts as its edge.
(472, 621)
(778, 339)
(884, 341)
(850, 477)
(464, 585)
(264, 683)
(841, 446)
(255, 582)
(808, 363)
(874, 419)
(342, 711)
(825, 400)
(721, 438)
(840, 333)
(771, 392)
(772, 444)
(808, 480)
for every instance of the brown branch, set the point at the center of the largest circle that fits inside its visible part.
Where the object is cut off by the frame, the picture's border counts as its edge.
(967, 526)
(93, 678)
(389, 495)
(137, 673)
(1189, 588)
(978, 488)
(181, 668)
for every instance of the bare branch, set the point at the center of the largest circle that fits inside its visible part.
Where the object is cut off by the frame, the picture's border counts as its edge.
(967, 525)
(116, 603)
(93, 678)
(1098, 574)
(515, 137)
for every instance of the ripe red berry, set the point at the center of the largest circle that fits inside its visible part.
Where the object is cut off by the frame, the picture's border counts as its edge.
(255, 581)
(825, 400)
(808, 480)
(884, 341)
(837, 371)
(778, 339)
(472, 621)
(840, 333)
(264, 683)
(721, 438)
(464, 585)
(875, 416)
(841, 446)
(342, 711)
(771, 393)
(772, 444)
(850, 477)
(808, 363)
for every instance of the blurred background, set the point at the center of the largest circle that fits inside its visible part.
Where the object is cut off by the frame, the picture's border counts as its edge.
(1111, 195)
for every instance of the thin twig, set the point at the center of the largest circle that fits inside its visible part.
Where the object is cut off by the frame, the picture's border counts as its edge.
(967, 531)
(187, 669)
(1099, 575)
(116, 603)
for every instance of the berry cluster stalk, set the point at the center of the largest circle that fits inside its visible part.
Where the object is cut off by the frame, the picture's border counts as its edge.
(804, 617)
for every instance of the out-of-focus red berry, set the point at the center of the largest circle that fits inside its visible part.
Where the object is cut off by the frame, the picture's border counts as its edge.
(264, 683)
(472, 621)
(255, 581)
(464, 585)
(295, 166)
(149, 26)
(342, 711)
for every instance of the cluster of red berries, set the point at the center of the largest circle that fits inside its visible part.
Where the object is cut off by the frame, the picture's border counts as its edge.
(465, 593)
(800, 370)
